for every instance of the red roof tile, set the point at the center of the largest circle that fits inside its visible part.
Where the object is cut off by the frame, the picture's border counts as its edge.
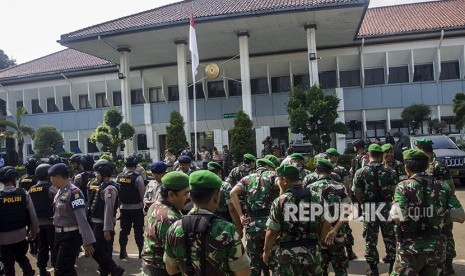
(61, 61)
(427, 16)
(179, 12)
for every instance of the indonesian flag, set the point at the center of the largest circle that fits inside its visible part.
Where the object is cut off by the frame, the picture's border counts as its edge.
(193, 46)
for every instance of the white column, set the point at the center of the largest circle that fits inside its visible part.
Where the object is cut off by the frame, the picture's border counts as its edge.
(260, 134)
(245, 72)
(181, 48)
(152, 145)
(312, 54)
(388, 119)
(340, 138)
(439, 112)
(364, 124)
(126, 95)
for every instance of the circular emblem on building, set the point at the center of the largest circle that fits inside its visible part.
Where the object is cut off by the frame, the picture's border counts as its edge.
(212, 71)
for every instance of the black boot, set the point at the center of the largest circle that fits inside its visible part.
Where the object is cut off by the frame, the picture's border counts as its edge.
(140, 252)
(391, 267)
(373, 271)
(44, 272)
(448, 268)
(122, 253)
(118, 271)
(351, 254)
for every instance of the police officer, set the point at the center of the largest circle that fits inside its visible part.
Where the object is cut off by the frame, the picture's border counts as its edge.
(54, 159)
(16, 212)
(152, 190)
(192, 243)
(82, 179)
(132, 190)
(185, 165)
(75, 161)
(69, 218)
(103, 204)
(42, 195)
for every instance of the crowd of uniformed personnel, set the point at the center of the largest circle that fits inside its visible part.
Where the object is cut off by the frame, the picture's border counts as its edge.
(192, 222)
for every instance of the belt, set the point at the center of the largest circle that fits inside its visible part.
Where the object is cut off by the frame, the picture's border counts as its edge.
(66, 229)
(298, 243)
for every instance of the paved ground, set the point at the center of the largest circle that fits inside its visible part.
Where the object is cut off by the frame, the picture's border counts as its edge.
(87, 266)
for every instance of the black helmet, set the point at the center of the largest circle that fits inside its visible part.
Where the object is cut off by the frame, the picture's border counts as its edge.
(42, 171)
(87, 162)
(130, 161)
(54, 159)
(359, 143)
(8, 173)
(31, 165)
(104, 167)
(75, 158)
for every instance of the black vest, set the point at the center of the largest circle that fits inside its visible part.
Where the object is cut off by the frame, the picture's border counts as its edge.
(85, 178)
(97, 206)
(27, 181)
(128, 190)
(13, 212)
(41, 199)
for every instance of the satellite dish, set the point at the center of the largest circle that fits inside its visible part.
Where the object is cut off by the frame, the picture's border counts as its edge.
(212, 71)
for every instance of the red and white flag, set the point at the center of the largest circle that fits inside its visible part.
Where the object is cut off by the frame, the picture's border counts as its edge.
(193, 46)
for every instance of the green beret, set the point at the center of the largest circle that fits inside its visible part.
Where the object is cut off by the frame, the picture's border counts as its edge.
(414, 154)
(287, 170)
(214, 165)
(332, 151)
(324, 162)
(273, 159)
(249, 156)
(265, 162)
(386, 147)
(297, 156)
(175, 180)
(424, 142)
(204, 179)
(375, 148)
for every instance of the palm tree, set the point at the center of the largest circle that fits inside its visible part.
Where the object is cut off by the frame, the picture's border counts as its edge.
(20, 130)
(459, 110)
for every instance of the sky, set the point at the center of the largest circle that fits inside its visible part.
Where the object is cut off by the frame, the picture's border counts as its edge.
(29, 29)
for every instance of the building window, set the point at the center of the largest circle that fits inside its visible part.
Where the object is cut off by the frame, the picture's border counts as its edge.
(375, 129)
(74, 146)
(19, 104)
(173, 93)
(51, 106)
(259, 86)
(302, 80)
(35, 106)
(84, 102)
(399, 126)
(235, 88)
(2, 107)
(350, 78)
(91, 147)
(280, 84)
(354, 128)
(216, 89)
(117, 98)
(198, 91)
(29, 150)
(450, 70)
(450, 125)
(137, 96)
(327, 79)
(374, 76)
(100, 100)
(142, 142)
(398, 74)
(423, 72)
(67, 103)
(156, 95)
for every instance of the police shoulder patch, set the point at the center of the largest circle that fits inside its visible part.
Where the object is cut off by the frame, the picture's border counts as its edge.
(77, 199)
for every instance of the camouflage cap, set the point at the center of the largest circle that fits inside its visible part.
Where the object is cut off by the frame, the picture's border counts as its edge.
(214, 165)
(249, 156)
(297, 156)
(375, 148)
(265, 162)
(386, 147)
(273, 159)
(324, 163)
(204, 179)
(424, 142)
(414, 154)
(175, 180)
(287, 170)
(332, 151)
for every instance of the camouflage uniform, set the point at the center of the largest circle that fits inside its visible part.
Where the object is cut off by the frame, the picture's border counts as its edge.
(420, 247)
(161, 215)
(293, 257)
(260, 191)
(225, 199)
(303, 173)
(223, 247)
(376, 191)
(313, 177)
(334, 194)
(399, 170)
(238, 173)
(227, 163)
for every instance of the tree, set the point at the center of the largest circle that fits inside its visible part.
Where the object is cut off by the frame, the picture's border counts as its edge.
(243, 136)
(175, 135)
(20, 130)
(112, 133)
(5, 61)
(459, 110)
(436, 126)
(414, 116)
(314, 115)
(47, 140)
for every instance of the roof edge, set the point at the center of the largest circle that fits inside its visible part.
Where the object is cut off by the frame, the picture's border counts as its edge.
(415, 32)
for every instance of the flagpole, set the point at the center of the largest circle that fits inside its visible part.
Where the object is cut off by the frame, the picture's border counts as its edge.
(195, 64)
(195, 116)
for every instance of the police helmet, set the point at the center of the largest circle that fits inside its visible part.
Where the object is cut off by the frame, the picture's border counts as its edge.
(54, 159)
(130, 161)
(104, 167)
(8, 173)
(75, 158)
(42, 171)
(31, 165)
(87, 162)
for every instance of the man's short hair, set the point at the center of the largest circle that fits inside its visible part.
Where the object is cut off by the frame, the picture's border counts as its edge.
(416, 165)
(201, 196)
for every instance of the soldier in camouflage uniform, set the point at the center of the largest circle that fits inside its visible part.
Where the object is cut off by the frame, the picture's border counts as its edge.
(359, 161)
(440, 171)
(273, 159)
(227, 161)
(259, 191)
(334, 196)
(245, 168)
(343, 177)
(298, 160)
(298, 250)
(201, 243)
(395, 165)
(374, 186)
(420, 207)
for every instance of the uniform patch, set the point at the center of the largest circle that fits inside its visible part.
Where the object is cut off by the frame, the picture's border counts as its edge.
(108, 193)
(77, 200)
